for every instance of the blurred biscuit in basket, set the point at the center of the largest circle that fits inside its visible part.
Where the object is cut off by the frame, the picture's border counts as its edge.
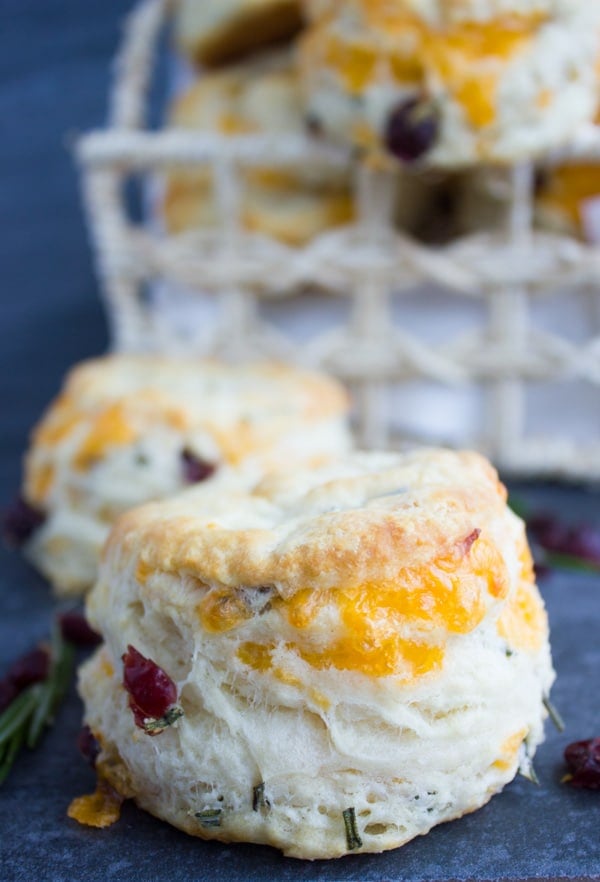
(214, 32)
(317, 10)
(291, 203)
(454, 83)
(567, 199)
(128, 429)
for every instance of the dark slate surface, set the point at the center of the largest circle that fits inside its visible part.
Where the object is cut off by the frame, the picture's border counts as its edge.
(53, 77)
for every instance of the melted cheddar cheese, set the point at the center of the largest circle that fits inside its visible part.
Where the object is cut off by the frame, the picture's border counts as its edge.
(222, 610)
(123, 421)
(510, 750)
(470, 59)
(523, 622)
(359, 62)
(99, 809)
(60, 421)
(452, 594)
(230, 123)
(567, 188)
(110, 428)
(467, 58)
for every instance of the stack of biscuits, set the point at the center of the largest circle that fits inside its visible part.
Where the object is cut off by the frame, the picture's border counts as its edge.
(129, 429)
(320, 649)
(246, 81)
(433, 89)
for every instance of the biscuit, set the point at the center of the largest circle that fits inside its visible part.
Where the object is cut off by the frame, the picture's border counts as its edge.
(472, 80)
(292, 205)
(567, 199)
(213, 32)
(317, 10)
(128, 429)
(356, 653)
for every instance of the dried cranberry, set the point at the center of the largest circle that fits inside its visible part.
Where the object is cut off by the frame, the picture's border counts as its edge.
(542, 571)
(585, 542)
(30, 668)
(20, 522)
(8, 693)
(76, 630)
(548, 532)
(583, 761)
(466, 543)
(195, 469)
(88, 746)
(151, 690)
(411, 129)
(581, 541)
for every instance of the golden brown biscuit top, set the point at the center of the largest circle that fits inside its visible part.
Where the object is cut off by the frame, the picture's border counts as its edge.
(108, 403)
(359, 520)
(370, 564)
(220, 392)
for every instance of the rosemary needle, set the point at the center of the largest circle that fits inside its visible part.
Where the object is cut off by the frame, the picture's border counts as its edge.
(12, 748)
(553, 714)
(17, 713)
(23, 721)
(353, 839)
(53, 688)
(570, 562)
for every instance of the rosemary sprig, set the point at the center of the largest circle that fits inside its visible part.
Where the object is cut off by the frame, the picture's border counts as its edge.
(209, 817)
(352, 836)
(528, 772)
(9, 753)
(553, 714)
(13, 727)
(155, 726)
(526, 768)
(519, 506)
(563, 561)
(259, 800)
(25, 718)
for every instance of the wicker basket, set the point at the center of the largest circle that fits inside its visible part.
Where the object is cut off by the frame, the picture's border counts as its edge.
(371, 265)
